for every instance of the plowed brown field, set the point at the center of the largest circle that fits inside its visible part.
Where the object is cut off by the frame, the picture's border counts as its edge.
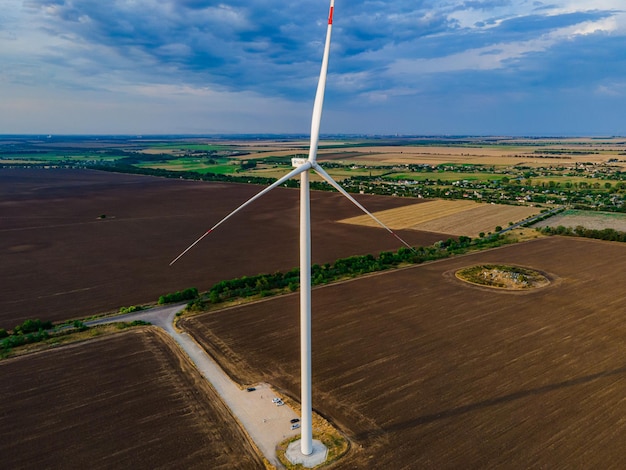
(422, 370)
(127, 401)
(61, 261)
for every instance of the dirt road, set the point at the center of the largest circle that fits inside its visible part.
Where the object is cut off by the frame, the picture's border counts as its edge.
(266, 423)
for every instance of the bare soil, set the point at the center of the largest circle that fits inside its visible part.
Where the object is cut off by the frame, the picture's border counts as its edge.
(61, 260)
(422, 370)
(128, 401)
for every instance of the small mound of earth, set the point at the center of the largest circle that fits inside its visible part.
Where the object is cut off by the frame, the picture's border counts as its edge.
(503, 276)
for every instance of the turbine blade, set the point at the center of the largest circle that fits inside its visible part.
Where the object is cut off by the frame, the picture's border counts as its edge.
(305, 167)
(321, 87)
(320, 171)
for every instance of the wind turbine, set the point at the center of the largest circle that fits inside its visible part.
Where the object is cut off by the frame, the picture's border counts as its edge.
(302, 167)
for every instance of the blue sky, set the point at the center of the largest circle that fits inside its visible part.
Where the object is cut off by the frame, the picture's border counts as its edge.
(452, 67)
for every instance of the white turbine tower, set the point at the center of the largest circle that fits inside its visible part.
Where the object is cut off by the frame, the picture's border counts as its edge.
(302, 167)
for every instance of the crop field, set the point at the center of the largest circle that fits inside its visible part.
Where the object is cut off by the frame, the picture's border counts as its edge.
(447, 216)
(339, 174)
(381, 155)
(423, 370)
(125, 401)
(232, 166)
(75, 243)
(578, 164)
(198, 165)
(588, 219)
(181, 147)
(478, 156)
(497, 155)
(52, 158)
(445, 177)
(504, 152)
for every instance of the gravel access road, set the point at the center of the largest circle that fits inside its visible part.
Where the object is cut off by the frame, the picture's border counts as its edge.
(265, 422)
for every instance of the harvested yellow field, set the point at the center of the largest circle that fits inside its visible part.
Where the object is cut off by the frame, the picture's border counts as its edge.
(483, 218)
(452, 217)
(407, 217)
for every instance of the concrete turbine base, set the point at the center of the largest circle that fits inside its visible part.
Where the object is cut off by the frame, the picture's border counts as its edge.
(317, 457)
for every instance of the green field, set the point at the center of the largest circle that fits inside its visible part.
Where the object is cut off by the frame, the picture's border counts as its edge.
(54, 157)
(562, 181)
(223, 166)
(589, 219)
(189, 146)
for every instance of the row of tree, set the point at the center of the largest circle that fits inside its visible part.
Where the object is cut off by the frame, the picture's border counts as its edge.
(180, 296)
(30, 331)
(12, 341)
(580, 231)
(29, 326)
(278, 282)
(36, 331)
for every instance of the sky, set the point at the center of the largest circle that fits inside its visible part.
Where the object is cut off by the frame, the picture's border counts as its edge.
(408, 67)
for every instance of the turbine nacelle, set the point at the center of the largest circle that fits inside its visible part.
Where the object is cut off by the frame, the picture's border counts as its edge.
(297, 162)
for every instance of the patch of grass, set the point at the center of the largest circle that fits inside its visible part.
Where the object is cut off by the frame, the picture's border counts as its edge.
(336, 443)
(221, 166)
(595, 214)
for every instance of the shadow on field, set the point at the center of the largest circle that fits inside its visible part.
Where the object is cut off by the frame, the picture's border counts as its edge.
(453, 412)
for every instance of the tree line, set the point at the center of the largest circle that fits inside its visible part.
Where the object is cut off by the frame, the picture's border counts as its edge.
(608, 234)
(31, 331)
(267, 284)
(37, 331)
(180, 296)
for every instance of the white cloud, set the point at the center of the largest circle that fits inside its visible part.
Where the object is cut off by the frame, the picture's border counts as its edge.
(613, 24)
(492, 57)
(223, 14)
(612, 89)
(498, 55)
(569, 6)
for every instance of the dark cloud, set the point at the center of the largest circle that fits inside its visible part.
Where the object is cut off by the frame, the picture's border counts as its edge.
(584, 62)
(228, 42)
(274, 49)
(247, 43)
